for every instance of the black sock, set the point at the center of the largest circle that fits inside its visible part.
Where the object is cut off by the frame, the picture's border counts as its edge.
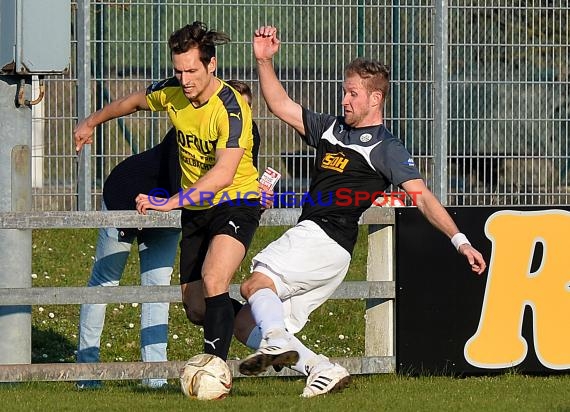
(218, 325)
(237, 305)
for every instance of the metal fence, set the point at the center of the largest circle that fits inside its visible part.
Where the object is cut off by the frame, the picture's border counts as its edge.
(479, 89)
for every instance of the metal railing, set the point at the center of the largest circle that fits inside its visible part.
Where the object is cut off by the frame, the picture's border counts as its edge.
(378, 291)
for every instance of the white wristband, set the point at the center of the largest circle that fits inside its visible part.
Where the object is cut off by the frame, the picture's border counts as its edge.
(459, 239)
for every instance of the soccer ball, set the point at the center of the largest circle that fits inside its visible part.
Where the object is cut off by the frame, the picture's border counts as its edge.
(206, 377)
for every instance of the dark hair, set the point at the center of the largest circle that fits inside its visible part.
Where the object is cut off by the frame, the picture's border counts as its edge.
(197, 36)
(241, 87)
(376, 75)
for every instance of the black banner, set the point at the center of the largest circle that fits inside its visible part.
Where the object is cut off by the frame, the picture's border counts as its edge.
(450, 320)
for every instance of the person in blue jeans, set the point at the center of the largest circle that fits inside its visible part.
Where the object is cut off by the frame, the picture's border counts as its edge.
(155, 168)
(152, 169)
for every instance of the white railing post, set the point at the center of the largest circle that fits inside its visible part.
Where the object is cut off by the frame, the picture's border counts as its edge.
(379, 334)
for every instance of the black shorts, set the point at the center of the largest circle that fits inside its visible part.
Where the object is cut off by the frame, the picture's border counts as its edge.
(200, 226)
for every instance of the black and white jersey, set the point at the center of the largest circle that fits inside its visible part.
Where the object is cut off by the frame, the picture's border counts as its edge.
(353, 166)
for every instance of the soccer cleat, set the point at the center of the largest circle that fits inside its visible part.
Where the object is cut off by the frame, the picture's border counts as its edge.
(263, 358)
(325, 380)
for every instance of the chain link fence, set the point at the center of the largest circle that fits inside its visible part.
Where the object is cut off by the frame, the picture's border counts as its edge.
(479, 89)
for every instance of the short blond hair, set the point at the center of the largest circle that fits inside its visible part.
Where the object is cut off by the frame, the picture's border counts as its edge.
(375, 75)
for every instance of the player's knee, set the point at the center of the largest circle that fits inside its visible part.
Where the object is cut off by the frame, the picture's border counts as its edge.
(245, 290)
(214, 284)
(249, 287)
(256, 282)
(209, 281)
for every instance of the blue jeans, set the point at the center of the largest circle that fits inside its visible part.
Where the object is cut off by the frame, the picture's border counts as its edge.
(157, 251)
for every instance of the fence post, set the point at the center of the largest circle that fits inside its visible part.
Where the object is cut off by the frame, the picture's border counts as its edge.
(440, 98)
(15, 244)
(83, 21)
(379, 334)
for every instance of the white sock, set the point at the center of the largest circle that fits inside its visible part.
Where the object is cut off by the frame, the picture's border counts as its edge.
(267, 310)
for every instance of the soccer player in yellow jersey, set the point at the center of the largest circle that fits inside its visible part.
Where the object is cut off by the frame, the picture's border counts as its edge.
(218, 195)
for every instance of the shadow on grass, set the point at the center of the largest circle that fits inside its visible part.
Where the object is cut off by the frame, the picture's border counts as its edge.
(49, 346)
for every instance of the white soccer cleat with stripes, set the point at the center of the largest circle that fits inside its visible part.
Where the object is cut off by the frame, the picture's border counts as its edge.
(326, 379)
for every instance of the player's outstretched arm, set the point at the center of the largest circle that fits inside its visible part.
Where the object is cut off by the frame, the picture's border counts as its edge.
(83, 132)
(265, 45)
(436, 214)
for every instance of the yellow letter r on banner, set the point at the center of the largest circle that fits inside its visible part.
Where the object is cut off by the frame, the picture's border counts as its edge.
(498, 342)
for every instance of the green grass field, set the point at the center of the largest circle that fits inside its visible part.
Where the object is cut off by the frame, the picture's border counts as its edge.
(64, 258)
(366, 393)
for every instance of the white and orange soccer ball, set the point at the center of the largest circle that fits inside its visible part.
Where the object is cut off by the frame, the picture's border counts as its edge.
(206, 377)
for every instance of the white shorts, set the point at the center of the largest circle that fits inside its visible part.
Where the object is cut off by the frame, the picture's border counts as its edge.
(306, 266)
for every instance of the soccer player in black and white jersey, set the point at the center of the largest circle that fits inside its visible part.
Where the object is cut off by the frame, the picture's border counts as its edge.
(298, 272)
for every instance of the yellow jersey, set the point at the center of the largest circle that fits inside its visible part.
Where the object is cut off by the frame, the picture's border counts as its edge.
(225, 121)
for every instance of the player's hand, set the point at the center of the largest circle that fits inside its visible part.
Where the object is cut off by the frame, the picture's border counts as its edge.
(474, 258)
(267, 198)
(265, 42)
(82, 134)
(146, 202)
